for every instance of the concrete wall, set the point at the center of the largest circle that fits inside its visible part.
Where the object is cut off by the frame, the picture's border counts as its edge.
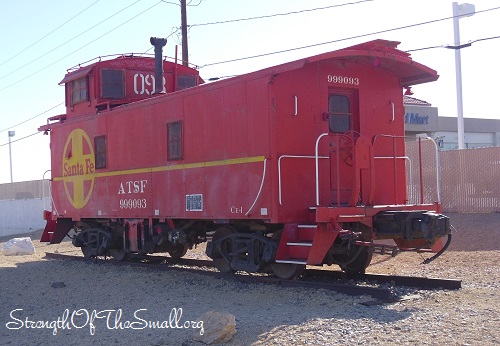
(20, 216)
(25, 189)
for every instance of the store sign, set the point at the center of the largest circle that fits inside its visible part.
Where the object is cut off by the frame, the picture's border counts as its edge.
(415, 118)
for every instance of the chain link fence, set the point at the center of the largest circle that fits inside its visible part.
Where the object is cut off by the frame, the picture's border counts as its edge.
(468, 181)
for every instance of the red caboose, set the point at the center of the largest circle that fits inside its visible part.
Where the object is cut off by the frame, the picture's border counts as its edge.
(300, 163)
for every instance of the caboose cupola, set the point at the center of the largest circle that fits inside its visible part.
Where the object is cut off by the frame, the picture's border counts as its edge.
(106, 84)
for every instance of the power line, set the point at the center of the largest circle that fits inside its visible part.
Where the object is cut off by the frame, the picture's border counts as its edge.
(453, 46)
(279, 14)
(425, 48)
(40, 39)
(19, 139)
(258, 17)
(342, 39)
(36, 116)
(81, 47)
(174, 30)
(188, 4)
(70, 40)
(198, 4)
(486, 39)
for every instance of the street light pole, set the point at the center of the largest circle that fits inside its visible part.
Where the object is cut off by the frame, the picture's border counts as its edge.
(11, 134)
(460, 11)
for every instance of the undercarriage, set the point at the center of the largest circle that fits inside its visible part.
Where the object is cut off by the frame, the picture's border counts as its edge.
(282, 249)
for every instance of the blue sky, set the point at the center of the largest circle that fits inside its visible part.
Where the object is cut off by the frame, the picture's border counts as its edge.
(41, 39)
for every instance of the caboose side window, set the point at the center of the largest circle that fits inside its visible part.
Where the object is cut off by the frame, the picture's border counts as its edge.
(100, 151)
(186, 81)
(340, 114)
(112, 84)
(78, 90)
(174, 141)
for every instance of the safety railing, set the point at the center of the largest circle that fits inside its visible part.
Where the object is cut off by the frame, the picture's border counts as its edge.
(396, 157)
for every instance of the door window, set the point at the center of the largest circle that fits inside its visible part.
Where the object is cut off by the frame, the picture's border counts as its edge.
(340, 113)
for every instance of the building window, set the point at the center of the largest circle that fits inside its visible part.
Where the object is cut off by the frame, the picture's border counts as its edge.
(339, 111)
(174, 141)
(113, 85)
(78, 90)
(100, 151)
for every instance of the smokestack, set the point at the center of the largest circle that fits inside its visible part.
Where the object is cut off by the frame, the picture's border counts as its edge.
(158, 43)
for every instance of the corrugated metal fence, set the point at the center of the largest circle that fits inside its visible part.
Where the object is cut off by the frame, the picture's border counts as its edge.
(469, 178)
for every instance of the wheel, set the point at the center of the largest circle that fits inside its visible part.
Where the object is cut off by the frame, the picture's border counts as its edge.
(356, 260)
(179, 251)
(94, 242)
(86, 251)
(287, 271)
(91, 243)
(221, 263)
(359, 265)
(119, 254)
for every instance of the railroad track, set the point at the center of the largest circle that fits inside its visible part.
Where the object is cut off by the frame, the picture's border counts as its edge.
(313, 278)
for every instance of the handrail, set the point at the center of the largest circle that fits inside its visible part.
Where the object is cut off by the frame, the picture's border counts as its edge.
(438, 180)
(438, 169)
(393, 115)
(260, 188)
(316, 155)
(291, 157)
(43, 189)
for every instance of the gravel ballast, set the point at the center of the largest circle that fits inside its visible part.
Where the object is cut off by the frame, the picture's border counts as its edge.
(40, 289)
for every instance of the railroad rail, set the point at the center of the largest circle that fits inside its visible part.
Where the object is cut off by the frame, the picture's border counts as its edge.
(329, 280)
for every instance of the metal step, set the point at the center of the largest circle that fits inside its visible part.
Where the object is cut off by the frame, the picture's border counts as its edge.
(292, 261)
(350, 218)
(305, 233)
(299, 244)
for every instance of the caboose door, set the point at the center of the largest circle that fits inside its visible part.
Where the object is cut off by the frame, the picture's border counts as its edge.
(343, 123)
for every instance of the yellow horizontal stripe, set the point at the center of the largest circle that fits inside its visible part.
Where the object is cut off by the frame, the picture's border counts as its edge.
(227, 162)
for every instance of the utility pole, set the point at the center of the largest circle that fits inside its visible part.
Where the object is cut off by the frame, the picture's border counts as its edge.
(11, 134)
(185, 59)
(460, 11)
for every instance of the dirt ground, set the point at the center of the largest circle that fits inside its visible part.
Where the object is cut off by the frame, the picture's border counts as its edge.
(42, 289)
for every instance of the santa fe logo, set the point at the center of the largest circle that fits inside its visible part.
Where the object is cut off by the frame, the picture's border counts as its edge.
(78, 168)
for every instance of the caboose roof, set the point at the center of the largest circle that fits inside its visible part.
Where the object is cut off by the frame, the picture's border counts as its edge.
(381, 54)
(76, 74)
(120, 61)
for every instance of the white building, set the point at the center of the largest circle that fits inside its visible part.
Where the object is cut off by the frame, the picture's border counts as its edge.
(421, 117)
